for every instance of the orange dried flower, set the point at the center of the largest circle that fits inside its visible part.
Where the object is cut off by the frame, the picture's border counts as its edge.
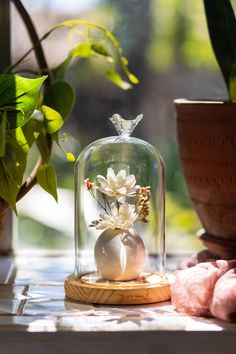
(88, 184)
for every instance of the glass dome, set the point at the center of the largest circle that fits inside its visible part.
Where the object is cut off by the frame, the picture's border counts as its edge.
(120, 207)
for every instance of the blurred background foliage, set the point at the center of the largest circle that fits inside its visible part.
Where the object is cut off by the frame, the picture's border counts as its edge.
(167, 44)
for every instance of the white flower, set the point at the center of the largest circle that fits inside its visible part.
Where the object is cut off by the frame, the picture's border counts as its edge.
(119, 186)
(122, 218)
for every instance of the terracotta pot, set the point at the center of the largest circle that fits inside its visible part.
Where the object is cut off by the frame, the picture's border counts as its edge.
(207, 146)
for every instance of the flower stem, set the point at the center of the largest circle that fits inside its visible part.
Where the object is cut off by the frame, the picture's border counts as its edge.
(104, 208)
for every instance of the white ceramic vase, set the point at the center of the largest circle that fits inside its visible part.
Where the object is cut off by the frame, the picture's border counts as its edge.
(119, 254)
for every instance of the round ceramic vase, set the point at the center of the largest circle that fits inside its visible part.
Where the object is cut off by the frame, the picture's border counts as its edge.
(119, 254)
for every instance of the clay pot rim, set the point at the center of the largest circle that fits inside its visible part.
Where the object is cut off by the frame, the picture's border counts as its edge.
(186, 101)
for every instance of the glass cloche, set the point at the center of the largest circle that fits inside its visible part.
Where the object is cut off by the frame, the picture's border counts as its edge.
(120, 209)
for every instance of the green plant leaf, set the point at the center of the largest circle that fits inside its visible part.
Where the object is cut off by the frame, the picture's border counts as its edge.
(31, 130)
(222, 30)
(60, 97)
(101, 51)
(18, 96)
(3, 123)
(117, 79)
(59, 71)
(46, 178)
(87, 50)
(83, 50)
(21, 140)
(14, 161)
(8, 188)
(53, 119)
(43, 146)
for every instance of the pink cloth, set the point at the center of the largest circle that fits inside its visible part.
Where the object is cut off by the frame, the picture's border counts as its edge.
(192, 290)
(223, 303)
(202, 256)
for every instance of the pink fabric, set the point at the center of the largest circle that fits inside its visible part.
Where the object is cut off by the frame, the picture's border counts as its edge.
(202, 256)
(223, 303)
(192, 289)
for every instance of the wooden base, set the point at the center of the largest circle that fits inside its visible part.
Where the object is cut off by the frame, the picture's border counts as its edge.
(123, 293)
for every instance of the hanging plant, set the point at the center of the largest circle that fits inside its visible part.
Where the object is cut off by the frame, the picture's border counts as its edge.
(33, 110)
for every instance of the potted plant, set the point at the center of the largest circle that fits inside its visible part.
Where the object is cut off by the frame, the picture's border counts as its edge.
(206, 135)
(33, 110)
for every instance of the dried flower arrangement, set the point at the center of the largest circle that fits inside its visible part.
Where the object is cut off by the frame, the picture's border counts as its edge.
(117, 212)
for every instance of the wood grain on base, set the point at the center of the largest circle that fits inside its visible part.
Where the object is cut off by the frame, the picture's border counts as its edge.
(114, 295)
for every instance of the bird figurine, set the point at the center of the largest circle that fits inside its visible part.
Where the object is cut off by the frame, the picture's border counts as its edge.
(125, 127)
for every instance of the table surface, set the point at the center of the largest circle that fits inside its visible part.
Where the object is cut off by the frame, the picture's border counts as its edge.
(33, 309)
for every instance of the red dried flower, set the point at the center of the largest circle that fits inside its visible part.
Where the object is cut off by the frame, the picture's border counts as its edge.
(88, 184)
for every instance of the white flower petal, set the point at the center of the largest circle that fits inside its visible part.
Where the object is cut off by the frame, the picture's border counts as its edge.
(102, 180)
(111, 173)
(114, 210)
(120, 178)
(120, 199)
(122, 217)
(122, 191)
(131, 194)
(130, 181)
(119, 186)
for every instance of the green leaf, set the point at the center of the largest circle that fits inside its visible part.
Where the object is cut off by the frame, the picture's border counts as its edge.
(14, 161)
(59, 71)
(8, 188)
(21, 140)
(53, 119)
(32, 129)
(83, 50)
(43, 146)
(117, 79)
(3, 122)
(87, 50)
(18, 96)
(222, 30)
(100, 49)
(60, 96)
(46, 178)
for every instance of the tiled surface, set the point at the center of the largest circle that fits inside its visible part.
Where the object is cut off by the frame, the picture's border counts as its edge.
(10, 299)
(36, 303)
(43, 270)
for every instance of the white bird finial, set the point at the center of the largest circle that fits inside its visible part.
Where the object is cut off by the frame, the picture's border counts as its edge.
(125, 127)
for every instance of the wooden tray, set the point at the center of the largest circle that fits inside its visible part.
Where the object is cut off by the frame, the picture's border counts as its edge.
(116, 293)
